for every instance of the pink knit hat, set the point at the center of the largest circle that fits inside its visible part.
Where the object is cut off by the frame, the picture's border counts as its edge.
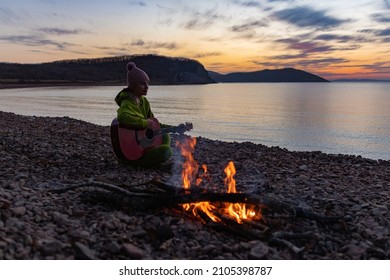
(135, 76)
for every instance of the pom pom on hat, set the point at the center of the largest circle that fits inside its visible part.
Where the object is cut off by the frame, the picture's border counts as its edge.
(135, 76)
(130, 66)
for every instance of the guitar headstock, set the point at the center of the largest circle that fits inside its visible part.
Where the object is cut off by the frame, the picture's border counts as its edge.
(184, 127)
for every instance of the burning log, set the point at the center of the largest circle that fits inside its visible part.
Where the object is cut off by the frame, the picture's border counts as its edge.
(174, 198)
(158, 194)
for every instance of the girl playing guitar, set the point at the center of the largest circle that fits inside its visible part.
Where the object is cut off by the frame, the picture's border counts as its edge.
(137, 137)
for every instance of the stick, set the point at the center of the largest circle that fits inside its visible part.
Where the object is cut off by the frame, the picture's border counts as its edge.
(257, 200)
(173, 199)
(102, 185)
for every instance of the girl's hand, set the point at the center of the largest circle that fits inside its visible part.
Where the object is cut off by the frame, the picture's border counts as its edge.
(152, 123)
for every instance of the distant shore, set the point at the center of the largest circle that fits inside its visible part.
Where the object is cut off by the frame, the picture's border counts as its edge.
(32, 85)
(41, 153)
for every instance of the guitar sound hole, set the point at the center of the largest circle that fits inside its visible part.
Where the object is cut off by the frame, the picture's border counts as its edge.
(149, 133)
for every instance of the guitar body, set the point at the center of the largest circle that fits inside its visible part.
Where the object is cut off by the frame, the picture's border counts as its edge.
(131, 144)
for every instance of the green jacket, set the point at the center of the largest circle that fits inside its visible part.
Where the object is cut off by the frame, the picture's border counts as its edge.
(132, 114)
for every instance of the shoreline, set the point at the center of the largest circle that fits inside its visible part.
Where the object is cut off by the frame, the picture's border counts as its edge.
(41, 153)
(65, 84)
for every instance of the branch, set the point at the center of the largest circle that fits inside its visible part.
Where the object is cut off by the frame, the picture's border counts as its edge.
(262, 201)
(102, 185)
(173, 199)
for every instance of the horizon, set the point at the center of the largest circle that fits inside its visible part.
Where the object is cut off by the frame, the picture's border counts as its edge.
(348, 40)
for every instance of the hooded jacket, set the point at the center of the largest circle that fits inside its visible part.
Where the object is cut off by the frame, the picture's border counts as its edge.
(131, 113)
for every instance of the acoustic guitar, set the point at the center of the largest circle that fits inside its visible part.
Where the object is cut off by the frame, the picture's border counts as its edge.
(131, 144)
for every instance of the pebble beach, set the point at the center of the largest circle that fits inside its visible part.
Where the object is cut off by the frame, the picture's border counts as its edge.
(38, 154)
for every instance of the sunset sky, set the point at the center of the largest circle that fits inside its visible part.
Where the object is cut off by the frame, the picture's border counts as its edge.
(332, 38)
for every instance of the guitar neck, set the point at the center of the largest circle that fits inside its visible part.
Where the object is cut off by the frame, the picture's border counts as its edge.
(168, 129)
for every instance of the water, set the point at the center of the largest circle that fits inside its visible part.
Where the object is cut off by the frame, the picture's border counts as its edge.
(347, 118)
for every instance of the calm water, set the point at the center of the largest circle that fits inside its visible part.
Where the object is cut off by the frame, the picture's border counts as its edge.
(348, 118)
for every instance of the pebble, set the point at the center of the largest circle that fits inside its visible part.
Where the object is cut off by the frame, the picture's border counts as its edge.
(133, 251)
(52, 247)
(89, 223)
(83, 252)
(259, 250)
(19, 211)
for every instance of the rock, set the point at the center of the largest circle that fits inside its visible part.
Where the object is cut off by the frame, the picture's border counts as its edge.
(133, 251)
(259, 250)
(304, 178)
(19, 211)
(355, 252)
(4, 204)
(79, 235)
(50, 248)
(303, 167)
(114, 247)
(164, 232)
(82, 252)
(208, 249)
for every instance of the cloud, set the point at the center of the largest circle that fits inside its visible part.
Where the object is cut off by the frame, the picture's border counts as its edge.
(35, 40)
(154, 45)
(306, 46)
(334, 37)
(382, 18)
(138, 42)
(304, 63)
(159, 45)
(137, 3)
(384, 32)
(387, 3)
(307, 17)
(251, 4)
(248, 26)
(202, 55)
(111, 49)
(383, 67)
(60, 31)
(202, 20)
(288, 56)
(322, 61)
(310, 47)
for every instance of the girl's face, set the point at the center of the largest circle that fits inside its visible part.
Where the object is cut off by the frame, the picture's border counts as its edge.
(141, 89)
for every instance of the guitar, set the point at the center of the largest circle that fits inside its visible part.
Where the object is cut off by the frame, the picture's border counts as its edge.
(131, 144)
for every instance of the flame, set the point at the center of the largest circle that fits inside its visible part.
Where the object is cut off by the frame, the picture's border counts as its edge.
(238, 211)
(190, 168)
(205, 175)
(230, 171)
(207, 208)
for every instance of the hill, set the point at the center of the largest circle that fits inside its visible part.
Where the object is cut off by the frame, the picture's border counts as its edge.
(109, 70)
(361, 81)
(278, 75)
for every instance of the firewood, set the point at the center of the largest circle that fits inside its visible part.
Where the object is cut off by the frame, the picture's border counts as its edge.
(172, 196)
(173, 199)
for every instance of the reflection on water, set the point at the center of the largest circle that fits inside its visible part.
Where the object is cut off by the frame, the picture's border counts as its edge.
(350, 118)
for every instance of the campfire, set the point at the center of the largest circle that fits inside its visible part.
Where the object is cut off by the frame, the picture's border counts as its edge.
(242, 214)
(192, 179)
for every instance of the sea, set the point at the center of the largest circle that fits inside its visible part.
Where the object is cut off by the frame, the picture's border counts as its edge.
(337, 118)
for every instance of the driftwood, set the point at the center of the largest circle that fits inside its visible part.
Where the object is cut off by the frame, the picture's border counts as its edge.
(175, 196)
